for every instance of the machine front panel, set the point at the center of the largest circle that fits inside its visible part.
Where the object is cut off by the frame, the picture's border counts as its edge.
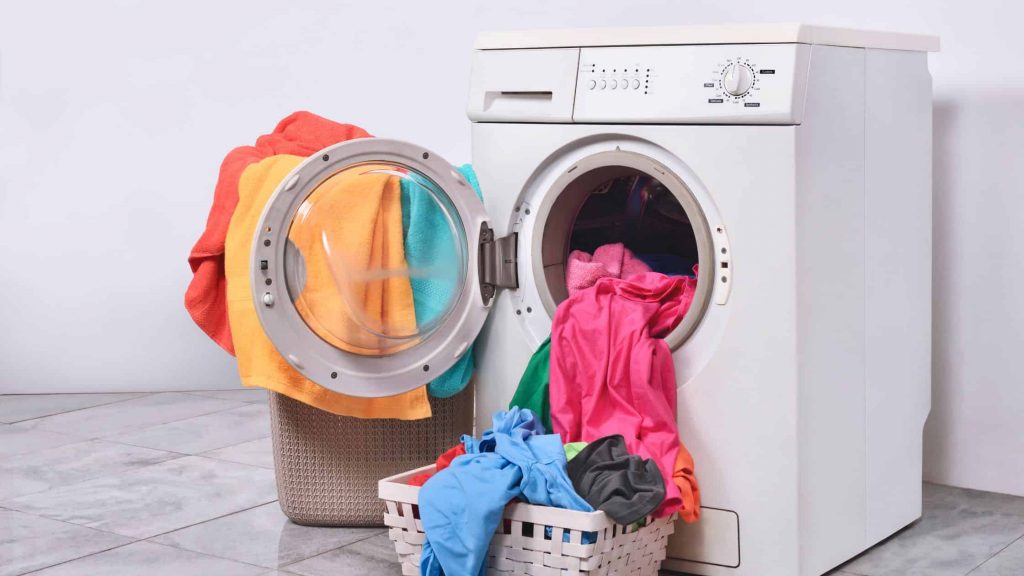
(715, 84)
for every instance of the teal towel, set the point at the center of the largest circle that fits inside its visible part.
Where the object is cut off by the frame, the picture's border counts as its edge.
(428, 242)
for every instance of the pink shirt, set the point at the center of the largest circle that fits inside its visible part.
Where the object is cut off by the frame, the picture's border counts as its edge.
(611, 373)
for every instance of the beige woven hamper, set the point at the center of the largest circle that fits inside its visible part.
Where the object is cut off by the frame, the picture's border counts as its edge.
(520, 545)
(328, 466)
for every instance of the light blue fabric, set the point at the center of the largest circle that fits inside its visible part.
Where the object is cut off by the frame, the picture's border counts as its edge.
(428, 249)
(461, 506)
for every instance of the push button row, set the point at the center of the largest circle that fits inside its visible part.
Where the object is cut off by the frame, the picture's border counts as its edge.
(613, 84)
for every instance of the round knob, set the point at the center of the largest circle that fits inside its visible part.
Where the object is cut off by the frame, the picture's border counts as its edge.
(613, 84)
(737, 79)
(602, 84)
(592, 84)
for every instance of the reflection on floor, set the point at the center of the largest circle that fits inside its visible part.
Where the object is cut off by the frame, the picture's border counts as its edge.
(183, 483)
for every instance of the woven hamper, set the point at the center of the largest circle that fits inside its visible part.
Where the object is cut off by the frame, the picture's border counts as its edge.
(328, 466)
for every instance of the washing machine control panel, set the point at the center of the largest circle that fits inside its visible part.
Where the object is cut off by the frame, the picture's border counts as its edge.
(706, 84)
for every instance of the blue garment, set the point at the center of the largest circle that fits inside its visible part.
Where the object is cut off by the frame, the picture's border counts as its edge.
(461, 506)
(435, 275)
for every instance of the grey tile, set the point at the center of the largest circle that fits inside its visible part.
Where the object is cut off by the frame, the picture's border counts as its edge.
(155, 499)
(18, 407)
(254, 395)
(263, 536)
(256, 453)
(14, 440)
(958, 530)
(203, 433)
(374, 555)
(129, 415)
(45, 469)
(29, 543)
(1009, 562)
(152, 560)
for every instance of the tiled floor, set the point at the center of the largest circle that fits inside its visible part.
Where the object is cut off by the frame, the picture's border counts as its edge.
(182, 483)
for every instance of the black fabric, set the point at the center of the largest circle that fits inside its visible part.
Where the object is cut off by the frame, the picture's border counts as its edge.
(626, 487)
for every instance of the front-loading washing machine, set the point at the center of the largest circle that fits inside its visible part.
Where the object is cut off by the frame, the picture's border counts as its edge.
(791, 164)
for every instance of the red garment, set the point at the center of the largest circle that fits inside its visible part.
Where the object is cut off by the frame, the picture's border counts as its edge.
(302, 134)
(611, 373)
(443, 461)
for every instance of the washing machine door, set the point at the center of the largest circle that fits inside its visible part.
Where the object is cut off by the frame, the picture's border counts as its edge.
(374, 266)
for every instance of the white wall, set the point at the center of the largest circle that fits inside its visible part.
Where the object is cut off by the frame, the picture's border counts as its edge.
(114, 117)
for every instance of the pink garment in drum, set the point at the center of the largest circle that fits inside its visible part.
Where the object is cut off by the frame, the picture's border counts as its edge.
(612, 373)
(611, 260)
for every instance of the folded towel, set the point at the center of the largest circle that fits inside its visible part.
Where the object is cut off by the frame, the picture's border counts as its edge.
(301, 133)
(374, 225)
(611, 260)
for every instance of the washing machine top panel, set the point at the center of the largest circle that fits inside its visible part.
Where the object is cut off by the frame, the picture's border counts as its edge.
(366, 268)
(722, 34)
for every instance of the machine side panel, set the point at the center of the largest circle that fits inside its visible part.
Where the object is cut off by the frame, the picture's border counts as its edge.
(830, 310)
(898, 199)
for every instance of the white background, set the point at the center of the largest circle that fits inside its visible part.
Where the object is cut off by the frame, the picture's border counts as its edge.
(114, 117)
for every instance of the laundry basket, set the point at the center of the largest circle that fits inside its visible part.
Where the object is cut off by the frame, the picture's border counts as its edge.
(521, 546)
(327, 466)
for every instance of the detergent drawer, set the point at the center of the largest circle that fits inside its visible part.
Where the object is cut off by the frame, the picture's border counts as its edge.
(523, 85)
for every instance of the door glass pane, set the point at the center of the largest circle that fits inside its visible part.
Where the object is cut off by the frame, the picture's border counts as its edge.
(375, 258)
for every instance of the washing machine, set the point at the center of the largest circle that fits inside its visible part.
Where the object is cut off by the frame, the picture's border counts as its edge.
(790, 163)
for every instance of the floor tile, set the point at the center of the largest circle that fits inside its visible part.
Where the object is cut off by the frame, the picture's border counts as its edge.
(1009, 562)
(155, 499)
(129, 415)
(374, 555)
(29, 543)
(959, 530)
(18, 407)
(256, 453)
(254, 395)
(151, 560)
(14, 440)
(72, 463)
(263, 536)
(203, 433)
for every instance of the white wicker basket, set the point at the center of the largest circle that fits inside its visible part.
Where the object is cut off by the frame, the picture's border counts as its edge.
(520, 547)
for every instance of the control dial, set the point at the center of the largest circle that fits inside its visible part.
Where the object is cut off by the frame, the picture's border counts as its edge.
(737, 79)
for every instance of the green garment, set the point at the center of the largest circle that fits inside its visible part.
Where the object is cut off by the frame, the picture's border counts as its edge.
(572, 449)
(532, 392)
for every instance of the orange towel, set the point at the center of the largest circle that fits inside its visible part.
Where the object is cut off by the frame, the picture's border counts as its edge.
(259, 363)
(301, 133)
(358, 297)
(683, 477)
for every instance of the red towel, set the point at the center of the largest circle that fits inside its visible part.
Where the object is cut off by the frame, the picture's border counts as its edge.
(443, 461)
(302, 134)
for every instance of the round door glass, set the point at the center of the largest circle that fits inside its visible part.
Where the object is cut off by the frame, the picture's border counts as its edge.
(375, 259)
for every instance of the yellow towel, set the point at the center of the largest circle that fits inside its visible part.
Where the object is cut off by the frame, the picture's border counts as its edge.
(369, 227)
(358, 297)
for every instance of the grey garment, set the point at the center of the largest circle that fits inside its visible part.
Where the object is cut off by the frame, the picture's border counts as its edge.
(626, 487)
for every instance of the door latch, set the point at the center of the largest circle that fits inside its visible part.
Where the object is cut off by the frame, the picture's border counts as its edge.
(498, 264)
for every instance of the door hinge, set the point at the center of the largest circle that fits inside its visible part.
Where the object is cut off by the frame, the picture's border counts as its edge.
(498, 266)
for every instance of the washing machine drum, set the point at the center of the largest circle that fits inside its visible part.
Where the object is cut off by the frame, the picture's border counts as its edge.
(366, 267)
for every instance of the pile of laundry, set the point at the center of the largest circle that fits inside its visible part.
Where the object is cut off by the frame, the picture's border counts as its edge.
(592, 424)
(391, 222)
